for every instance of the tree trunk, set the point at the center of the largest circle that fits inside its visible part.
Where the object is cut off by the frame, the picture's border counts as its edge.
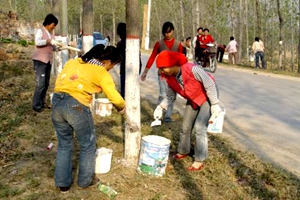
(258, 18)
(299, 39)
(280, 33)
(241, 28)
(247, 33)
(64, 31)
(87, 25)
(198, 13)
(132, 90)
(182, 19)
(232, 18)
(57, 62)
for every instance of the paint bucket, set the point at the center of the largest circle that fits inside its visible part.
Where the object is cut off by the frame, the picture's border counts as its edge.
(103, 107)
(217, 125)
(103, 160)
(154, 154)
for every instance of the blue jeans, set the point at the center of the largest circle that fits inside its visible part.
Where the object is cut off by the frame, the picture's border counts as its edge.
(68, 115)
(162, 94)
(42, 80)
(261, 55)
(197, 121)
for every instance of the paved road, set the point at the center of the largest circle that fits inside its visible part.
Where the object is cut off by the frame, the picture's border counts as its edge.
(262, 115)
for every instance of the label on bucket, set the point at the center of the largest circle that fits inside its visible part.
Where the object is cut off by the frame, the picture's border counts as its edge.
(154, 154)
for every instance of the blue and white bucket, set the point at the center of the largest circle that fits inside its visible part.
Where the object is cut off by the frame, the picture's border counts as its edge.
(154, 154)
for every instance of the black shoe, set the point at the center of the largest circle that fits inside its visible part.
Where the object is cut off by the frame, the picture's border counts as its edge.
(64, 190)
(94, 183)
(37, 109)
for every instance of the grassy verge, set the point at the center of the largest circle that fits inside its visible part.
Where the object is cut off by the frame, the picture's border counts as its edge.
(26, 167)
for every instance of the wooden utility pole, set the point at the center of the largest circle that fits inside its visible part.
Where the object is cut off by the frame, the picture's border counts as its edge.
(132, 90)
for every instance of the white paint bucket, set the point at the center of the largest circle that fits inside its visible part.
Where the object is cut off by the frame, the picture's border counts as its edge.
(217, 125)
(103, 160)
(154, 154)
(103, 107)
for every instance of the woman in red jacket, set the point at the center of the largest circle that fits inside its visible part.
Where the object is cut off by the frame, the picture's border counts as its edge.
(202, 106)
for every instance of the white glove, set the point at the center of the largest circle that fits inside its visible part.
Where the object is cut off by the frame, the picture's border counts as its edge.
(158, 112)
(215, 111)
(55, 43)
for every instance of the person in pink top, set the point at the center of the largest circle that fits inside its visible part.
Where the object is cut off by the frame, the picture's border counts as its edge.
(42, 61)
(232, 49)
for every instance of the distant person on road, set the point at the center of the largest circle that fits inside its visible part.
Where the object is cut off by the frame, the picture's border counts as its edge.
(187, 48)
(42, 58)
(258, 49)
(232, 49)
(202, 106)
(220, 52)
(168, 43)
(196, 44)
(107, 39)
(73, 94)
(203, 41)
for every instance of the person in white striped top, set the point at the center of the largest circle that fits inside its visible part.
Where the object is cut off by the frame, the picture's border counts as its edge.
(200, 90)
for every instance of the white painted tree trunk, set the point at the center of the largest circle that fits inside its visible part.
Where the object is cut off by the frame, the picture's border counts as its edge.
(132, 94)
(87, 42)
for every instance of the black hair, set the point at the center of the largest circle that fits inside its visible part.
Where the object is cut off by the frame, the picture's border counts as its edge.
(200, 28)
(108, 38)
(206, 29)
(121, 30)
(100, 52)
(49, 19)
(188, 38)
(167, 28)
(256, 39)
(231, 38)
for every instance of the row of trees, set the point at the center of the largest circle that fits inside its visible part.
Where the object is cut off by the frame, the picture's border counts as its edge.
(272, 21)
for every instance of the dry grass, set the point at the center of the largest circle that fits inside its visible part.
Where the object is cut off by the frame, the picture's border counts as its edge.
(26, 167)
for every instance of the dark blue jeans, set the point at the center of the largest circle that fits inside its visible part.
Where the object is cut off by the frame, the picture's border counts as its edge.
(42, 80)
(68, 116)
(261, 55)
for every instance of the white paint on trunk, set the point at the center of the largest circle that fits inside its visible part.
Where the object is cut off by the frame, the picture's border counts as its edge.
(64, 53)
(87, 43)
(57, 62)
(132, 95)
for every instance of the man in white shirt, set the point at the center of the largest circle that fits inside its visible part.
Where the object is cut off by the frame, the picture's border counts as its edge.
(258, 49)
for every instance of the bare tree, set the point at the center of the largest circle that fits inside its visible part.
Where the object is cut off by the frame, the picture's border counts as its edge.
(299, 39)
(258, 20)
(132, 90)
(280, 33)
(87, 25)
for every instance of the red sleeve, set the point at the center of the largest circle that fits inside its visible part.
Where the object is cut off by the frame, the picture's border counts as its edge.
(153, 55)
(180, 48)
(211, 39)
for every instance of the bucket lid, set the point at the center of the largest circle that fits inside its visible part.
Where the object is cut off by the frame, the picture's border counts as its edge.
(102, 100)
(103, 150)
(155, 139)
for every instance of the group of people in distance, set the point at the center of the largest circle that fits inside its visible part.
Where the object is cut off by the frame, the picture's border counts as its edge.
(87, 75)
